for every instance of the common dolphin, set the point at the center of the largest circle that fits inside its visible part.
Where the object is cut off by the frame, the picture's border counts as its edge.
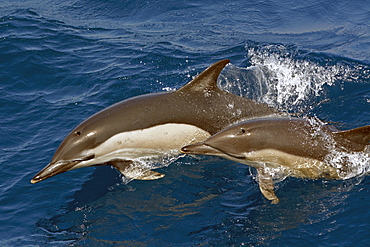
(298, 147)
(152, 125)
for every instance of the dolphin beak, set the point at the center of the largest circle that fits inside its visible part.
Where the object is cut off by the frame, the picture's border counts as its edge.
(201, 149)
(52, 169)
(55, 168)
(205, 149)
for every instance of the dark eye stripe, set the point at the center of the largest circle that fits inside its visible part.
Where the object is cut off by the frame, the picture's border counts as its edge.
(88, 157)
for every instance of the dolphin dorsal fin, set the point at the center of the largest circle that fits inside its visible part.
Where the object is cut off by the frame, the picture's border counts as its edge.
(207, 80)
(359, 135)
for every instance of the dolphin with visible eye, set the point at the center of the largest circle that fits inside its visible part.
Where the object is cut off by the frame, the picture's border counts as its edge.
(152, 125)
(289, 146)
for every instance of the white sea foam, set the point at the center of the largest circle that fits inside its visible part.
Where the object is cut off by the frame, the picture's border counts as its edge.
(349, 164)
(277, 77)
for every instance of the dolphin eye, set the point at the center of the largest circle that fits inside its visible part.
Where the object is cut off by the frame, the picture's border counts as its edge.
(77, 133)
(243, 132)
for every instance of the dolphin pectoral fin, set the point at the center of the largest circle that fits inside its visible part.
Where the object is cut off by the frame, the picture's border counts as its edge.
(132, 170)
(150, 175)
(141, 174)
(266, 185)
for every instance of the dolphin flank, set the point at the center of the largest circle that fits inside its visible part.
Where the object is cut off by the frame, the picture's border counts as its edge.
(293, 146)
(152, 125)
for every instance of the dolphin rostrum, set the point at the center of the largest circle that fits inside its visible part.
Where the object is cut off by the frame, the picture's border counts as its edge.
(152, 125)
(298, 147)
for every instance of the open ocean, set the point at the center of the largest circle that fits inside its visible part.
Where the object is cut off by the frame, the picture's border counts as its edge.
(62, 61)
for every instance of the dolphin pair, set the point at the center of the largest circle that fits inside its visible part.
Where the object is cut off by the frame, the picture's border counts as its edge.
(152, 125)
(298, 147)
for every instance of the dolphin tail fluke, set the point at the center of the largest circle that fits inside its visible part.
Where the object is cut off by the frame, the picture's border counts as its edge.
(266, 185)
(359, 135)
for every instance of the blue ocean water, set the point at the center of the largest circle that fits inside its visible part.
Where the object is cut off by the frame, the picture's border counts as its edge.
(60, 62)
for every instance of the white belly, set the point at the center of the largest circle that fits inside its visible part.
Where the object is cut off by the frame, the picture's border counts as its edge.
(280, 163)
(150, 143)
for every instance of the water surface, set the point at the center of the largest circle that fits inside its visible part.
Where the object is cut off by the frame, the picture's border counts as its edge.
(62, 62)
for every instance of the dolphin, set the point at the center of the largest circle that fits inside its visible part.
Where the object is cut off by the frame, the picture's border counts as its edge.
(152, 125)
(298, 147)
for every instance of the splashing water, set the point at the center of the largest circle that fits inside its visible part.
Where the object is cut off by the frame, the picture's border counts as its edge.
(282, 78)
(349, 164)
